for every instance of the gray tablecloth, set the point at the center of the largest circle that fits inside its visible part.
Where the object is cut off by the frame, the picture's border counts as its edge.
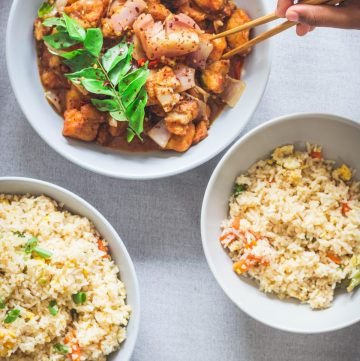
(185, 314)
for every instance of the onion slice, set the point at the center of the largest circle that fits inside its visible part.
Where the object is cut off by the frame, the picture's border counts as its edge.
(127, 14)
(186, 77)
(171, 38)
(233, 90)
(54, 100)
(198, 58)
(181, 20)
(159, 134)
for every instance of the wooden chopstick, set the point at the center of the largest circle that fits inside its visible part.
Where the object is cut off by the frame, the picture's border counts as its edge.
(262, 20)
(268, 34)
(251, 24)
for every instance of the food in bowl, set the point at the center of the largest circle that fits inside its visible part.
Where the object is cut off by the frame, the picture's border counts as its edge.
(60, 292)
(139, 75)
(294, 226)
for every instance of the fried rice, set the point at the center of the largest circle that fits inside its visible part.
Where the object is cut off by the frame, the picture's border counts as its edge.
(60, 292)
(294, 226)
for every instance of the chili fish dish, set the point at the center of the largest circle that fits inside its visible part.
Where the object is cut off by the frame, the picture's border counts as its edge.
(60, 293)
(139, 75)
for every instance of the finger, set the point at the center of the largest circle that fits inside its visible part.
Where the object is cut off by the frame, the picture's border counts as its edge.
(302, 29)
(282, 6)
(312, 28)
(322, 15)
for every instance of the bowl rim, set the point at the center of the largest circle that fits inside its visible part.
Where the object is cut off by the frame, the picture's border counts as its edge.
(207, 195)
(135, 315)
(121, 174)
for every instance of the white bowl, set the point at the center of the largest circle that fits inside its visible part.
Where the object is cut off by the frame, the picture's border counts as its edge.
(341, 141)
(23, 73)
(76, 205)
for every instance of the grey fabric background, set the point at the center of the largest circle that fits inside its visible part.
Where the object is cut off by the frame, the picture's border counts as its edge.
(185, 314)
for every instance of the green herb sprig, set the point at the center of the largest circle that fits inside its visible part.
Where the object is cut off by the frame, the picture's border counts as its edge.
(111, 75)
(12, 315)
(239, 188)
(59, 348)
(79, 298)
(2, 304)
(31, 247)
(355, 282)
(53, 308)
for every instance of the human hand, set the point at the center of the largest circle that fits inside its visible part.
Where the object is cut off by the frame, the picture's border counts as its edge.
(345, 16)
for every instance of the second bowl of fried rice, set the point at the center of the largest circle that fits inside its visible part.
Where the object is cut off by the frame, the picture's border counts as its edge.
(68, 286)
(281, 223)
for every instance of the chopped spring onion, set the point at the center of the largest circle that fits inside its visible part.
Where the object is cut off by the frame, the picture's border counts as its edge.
(239, 188)
(42, 252)
(19, 234)
(30, 245)
(58, 347)
(355, 281)
(2, 304)
(12, 315)
(79, 297)
(53, 308)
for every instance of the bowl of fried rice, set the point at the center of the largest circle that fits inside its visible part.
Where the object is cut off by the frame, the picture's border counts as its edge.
(281, 223)
(68, 286)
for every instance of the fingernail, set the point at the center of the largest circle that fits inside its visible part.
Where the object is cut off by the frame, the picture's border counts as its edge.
(292, 16)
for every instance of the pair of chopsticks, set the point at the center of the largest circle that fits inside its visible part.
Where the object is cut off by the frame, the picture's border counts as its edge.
(268, 34)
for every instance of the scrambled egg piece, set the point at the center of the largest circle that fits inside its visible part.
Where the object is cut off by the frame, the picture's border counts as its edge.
(291, 163)
(285, 157)
(343, 173)
(7, 341)
(281, 152)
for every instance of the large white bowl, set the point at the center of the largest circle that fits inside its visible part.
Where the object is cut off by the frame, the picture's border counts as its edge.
(341, 141)
(22, 68)
(76, 205)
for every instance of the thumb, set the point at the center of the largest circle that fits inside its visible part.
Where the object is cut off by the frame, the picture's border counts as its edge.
(323, 15)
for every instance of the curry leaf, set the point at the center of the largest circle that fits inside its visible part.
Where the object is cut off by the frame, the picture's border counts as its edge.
(97, 87)
(130, 135)
(80, 61)
(94, 41)
(45, 9)
(60, 22)
(68, 54)
(120, 70)
(112, 76)
(87, 73)
(132, 90)
(74, 29)
(106, 105)
(119, 115)
(59, 40)
(136, 112)
(114, 55)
